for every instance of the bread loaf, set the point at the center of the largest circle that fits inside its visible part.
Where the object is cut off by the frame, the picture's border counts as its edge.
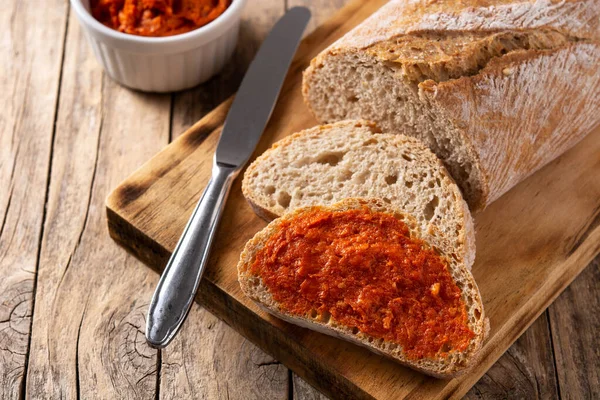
(496, 89)
(329, 163)
(450, 352)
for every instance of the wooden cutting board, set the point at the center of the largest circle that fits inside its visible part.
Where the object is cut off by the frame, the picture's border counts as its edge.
(530, 244)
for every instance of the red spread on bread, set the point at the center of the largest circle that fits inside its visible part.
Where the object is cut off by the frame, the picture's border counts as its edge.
(362, 269)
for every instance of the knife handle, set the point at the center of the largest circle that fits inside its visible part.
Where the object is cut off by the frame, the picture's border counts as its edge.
(179, 282)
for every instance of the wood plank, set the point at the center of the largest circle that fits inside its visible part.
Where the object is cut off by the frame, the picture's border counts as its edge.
(516, 286)
(321, 10)
(303, 391)
(574, 321)
(30, 39)
(91, 296)
(525, 371)
(208, 359)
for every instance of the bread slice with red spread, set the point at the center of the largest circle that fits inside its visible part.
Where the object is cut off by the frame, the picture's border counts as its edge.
(364, 271)
(328, 163)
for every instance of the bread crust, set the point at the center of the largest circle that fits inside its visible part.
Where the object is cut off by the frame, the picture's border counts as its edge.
(533, 126)
(580, 18)
(499, 113)
(253, 288)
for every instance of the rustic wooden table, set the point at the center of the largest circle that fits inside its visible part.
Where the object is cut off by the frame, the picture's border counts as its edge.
(72, 303)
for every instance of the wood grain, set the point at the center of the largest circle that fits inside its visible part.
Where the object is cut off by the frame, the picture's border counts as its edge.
(209, 360)
(303, 391)
(117, 362)
(525, 371)
(575, 317)
(30, 39)
(321, 10)
(516, 285)
(91, 297)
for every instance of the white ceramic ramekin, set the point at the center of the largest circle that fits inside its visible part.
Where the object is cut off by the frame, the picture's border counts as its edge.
(163, 64)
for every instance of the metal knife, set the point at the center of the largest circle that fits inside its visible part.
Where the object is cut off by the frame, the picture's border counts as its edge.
(246, 120)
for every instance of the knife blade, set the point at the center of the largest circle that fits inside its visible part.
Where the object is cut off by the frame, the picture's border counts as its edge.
(250, 111)
(247, 118)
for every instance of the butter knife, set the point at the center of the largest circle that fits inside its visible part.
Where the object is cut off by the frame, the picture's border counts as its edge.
(244, 125)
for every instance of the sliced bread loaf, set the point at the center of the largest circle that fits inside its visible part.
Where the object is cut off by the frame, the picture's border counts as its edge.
(495, 89)
(329, 163)
(437, 328)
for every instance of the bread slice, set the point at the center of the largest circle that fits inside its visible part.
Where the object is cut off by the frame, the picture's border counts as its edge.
(495, 89)
(454, 363)
(326, 164)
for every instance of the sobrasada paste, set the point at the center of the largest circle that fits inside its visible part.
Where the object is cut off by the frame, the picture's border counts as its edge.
(157, 17)
(363, 269)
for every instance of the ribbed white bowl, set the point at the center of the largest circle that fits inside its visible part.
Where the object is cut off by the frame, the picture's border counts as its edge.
(163, 64)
